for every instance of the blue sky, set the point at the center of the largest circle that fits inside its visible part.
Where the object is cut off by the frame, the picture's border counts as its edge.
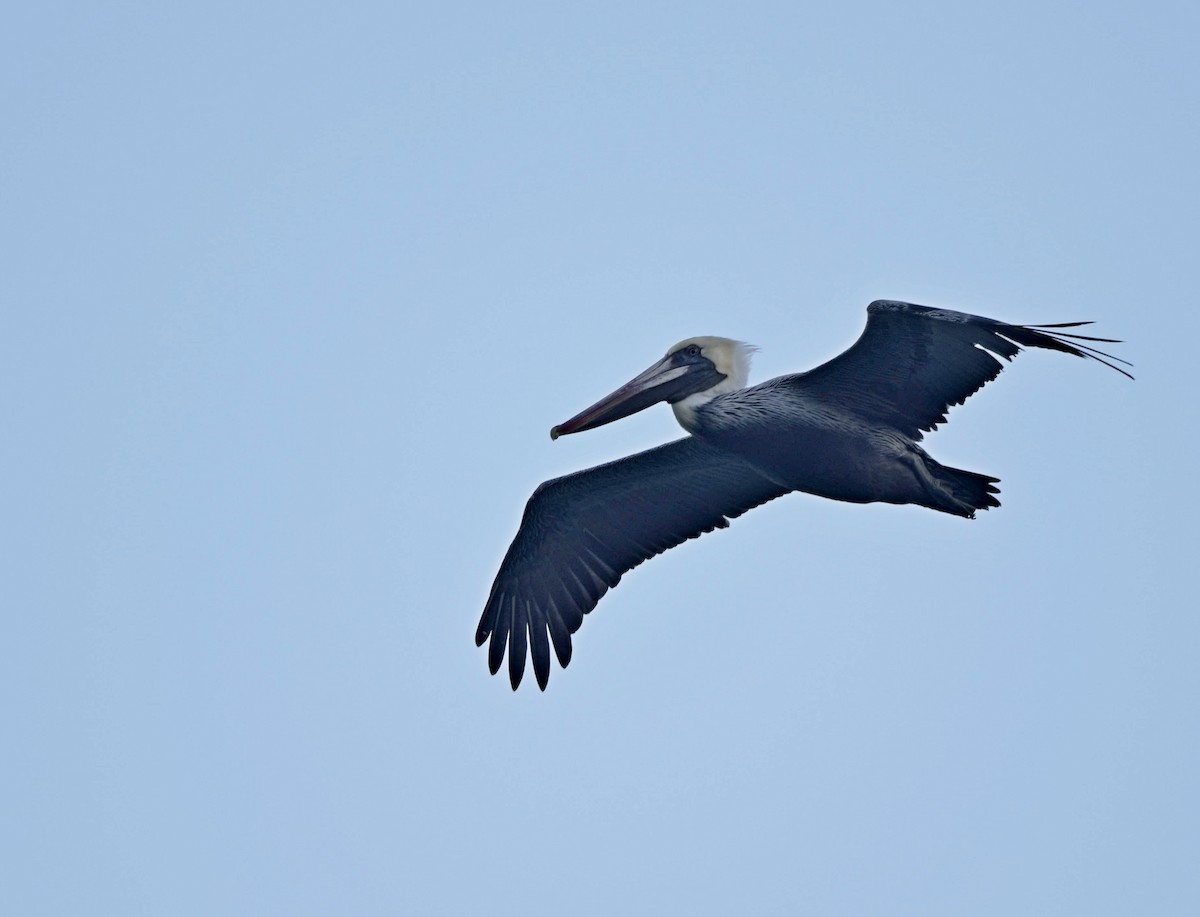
(292, 297)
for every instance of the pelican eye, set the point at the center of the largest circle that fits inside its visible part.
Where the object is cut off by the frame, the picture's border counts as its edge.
(692, 350)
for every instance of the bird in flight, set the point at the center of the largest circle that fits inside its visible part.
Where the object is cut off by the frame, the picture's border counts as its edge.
(848, 430)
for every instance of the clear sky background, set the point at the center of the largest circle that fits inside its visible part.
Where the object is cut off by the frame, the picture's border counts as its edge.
(292, 294)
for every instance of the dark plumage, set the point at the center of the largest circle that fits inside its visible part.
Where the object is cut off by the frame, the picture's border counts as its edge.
(847, 430)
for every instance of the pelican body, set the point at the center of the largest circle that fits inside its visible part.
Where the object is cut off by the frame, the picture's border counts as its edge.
(848, 430)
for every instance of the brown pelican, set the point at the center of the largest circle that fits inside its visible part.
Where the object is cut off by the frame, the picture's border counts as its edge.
(847, 430)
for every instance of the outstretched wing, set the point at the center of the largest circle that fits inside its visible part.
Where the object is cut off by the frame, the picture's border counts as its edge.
(581, 532)
(913, 363)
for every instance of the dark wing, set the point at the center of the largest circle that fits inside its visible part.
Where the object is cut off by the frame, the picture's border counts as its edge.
(912, 363)
(581, 532)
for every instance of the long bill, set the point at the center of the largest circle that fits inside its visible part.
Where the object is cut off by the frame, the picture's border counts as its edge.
(666, 380)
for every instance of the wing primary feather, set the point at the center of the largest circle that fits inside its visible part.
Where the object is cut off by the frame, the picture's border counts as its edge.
(517, 643)
(500, 628)
(583, 594)
(568, 604)
(539, 646)
(1033, 337)
(560, 636)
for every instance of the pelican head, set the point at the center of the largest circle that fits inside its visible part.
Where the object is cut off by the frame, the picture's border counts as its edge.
(692, 373)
